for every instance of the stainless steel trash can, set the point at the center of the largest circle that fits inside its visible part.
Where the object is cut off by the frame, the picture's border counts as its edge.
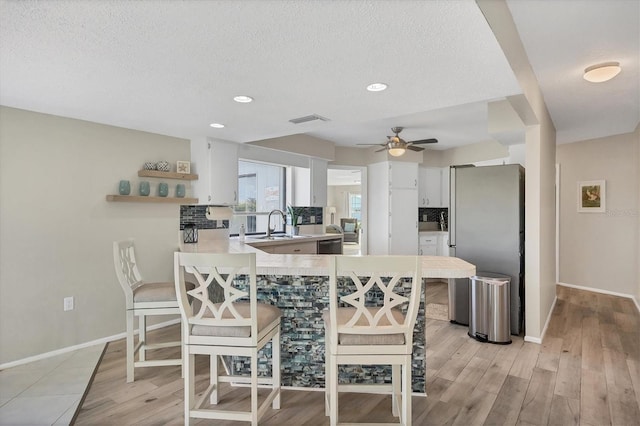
(489, 308)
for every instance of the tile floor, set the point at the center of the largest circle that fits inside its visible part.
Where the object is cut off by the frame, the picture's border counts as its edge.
(47, 392)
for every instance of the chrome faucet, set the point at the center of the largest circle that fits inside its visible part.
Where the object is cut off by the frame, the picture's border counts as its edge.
(284, 221)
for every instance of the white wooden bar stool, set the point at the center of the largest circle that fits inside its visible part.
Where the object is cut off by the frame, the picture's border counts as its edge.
(142, 300)
(237, 326)
(380, 333)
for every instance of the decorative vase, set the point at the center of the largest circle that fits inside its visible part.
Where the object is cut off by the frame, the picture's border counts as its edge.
(124, 188)
(163, 166)
(144, 188)
(180, 190)
(163, 189)
(149, 165)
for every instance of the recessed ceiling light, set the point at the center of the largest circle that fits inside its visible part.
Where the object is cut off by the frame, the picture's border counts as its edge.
(217, 125)
(376, 87)
(602, 72)
(243, 99)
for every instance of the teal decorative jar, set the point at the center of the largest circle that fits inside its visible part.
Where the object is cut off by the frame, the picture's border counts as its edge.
(144, 188)
(180, 190)
(124, 188)
(163, 189)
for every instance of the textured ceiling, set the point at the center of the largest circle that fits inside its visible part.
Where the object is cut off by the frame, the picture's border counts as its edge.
(172, 67)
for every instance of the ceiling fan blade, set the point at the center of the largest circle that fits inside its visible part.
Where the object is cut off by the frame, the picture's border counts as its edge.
(415, 148)
(371, 144)
(422, 141)
(383, 149)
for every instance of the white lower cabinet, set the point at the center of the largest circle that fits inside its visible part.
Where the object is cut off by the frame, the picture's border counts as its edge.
(307, 247)
(428, 245)
(434, 243)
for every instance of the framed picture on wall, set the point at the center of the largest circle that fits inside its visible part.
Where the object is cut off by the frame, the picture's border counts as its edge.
(183, 167)
(592, 196)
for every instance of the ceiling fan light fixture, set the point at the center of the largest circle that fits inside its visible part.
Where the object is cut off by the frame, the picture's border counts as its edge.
(377, 87)
(602, 72)
(397, 151)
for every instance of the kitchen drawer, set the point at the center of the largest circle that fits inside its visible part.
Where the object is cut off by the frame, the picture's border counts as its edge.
(428, 240)
(428, 250)
(307, 247)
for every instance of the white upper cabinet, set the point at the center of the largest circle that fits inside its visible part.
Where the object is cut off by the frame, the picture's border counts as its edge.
(403, 175)
(430, 187)
(216, 163)
(308, 186)
(318, 184)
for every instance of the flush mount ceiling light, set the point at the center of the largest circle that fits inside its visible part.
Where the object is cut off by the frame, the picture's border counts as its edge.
(602, 72)
(217, 125)
(243, 99)
(376, 87)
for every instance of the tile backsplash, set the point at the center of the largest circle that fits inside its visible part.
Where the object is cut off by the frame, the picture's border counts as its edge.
(427, 214)
(197, 215)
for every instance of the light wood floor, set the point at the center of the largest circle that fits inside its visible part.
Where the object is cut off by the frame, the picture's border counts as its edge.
(587, 371)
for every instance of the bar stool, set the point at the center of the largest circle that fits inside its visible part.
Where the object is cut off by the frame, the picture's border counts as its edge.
(237, 326)
(356, 333)
(142, 300)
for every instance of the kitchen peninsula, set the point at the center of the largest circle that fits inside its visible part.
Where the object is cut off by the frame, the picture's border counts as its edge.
(298, 284)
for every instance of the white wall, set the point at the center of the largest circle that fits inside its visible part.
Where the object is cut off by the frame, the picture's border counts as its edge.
(595, 248)
(56, 229)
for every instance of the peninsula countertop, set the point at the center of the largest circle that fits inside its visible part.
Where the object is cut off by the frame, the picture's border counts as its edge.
(317, 265)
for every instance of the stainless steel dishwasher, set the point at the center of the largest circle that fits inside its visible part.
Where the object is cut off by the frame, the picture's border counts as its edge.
(333, 246)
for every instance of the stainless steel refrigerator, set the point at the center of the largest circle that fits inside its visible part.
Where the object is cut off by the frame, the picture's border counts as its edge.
(486, 228)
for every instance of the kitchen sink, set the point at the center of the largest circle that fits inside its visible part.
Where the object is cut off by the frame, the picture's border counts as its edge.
(277, 237)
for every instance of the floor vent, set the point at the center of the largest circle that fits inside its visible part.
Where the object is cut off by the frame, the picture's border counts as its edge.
(307, 118)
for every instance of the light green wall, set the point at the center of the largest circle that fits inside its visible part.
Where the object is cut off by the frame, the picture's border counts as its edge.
(56, 229)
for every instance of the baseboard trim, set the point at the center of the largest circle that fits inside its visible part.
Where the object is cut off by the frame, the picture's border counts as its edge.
(100, 341)
(533, 339)
(599, 290)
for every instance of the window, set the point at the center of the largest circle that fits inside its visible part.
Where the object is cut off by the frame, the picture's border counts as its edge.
(355, 205)
(261, 189)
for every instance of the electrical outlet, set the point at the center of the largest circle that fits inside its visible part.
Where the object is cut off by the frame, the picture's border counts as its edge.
(312, 219)
(68, 303)
(424, 218)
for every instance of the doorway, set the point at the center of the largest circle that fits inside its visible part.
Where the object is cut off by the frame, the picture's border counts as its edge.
(347, 205)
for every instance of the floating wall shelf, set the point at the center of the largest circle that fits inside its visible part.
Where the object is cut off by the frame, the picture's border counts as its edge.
(141, 199)
(167, 175)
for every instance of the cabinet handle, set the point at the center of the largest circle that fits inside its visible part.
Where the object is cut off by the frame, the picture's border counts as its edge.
(296, 250)
(415, 182)
(235, 195)
(427, 201)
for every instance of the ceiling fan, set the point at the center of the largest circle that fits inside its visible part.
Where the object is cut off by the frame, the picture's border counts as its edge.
(397, 146)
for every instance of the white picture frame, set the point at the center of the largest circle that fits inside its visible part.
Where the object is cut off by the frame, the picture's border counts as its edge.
(183, 167)
(592, 196)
